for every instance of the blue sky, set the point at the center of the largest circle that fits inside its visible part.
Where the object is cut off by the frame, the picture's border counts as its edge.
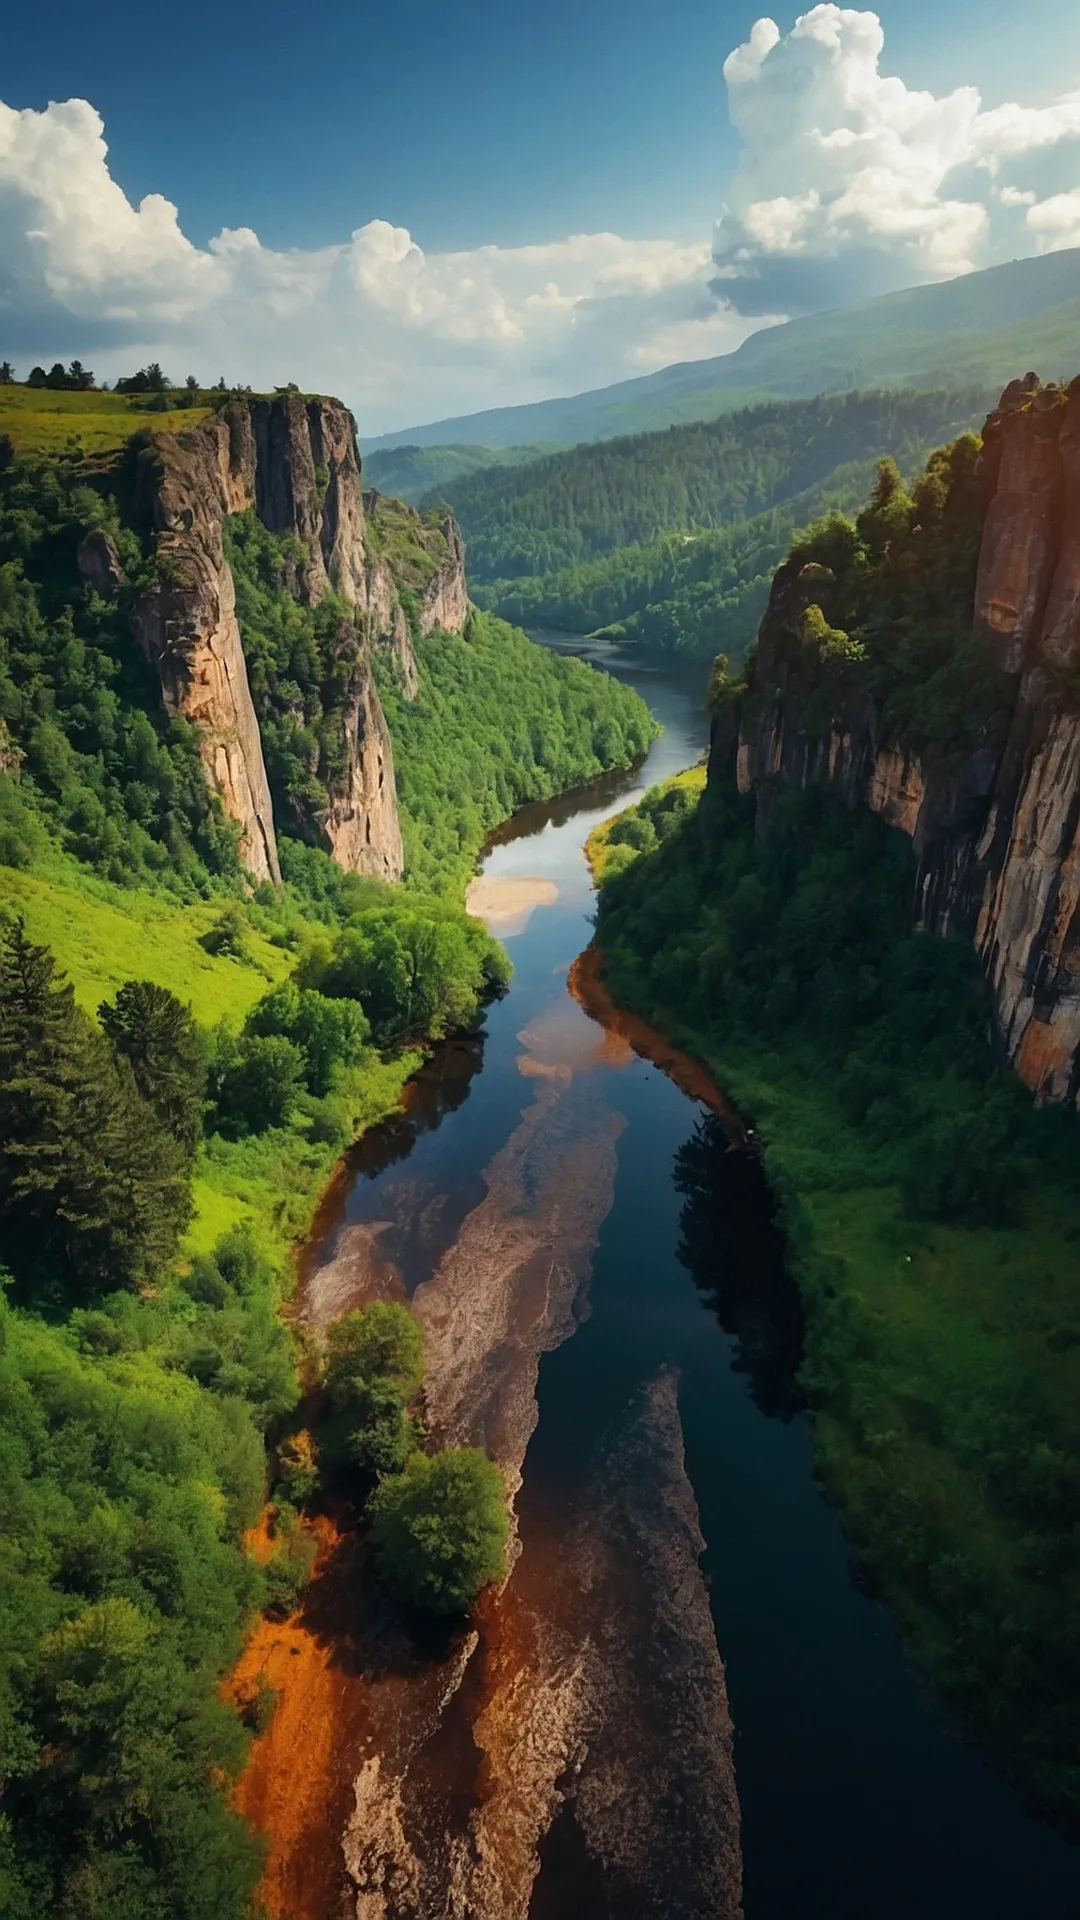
(506, 128)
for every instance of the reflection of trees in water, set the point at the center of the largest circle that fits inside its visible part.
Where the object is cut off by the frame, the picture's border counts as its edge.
(439, 1087)
(734, 1249)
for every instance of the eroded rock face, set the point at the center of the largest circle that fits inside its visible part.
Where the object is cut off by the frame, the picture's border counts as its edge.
(446, 602)
(295, 461)
(186, 624)
(996, 839)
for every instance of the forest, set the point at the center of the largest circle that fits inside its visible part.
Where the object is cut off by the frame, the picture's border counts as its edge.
(670, 538)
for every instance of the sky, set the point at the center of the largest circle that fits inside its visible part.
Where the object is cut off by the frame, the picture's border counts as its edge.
(430, 211)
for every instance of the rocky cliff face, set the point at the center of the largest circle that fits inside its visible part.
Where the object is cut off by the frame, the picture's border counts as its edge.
(997, 835)
(295, 462)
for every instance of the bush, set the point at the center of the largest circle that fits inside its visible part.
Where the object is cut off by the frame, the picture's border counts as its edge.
(387, 1434)
(381, 1341)
(254, 1082)
(440, 1529)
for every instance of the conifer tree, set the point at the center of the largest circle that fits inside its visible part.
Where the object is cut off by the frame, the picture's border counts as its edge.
(94, 1192)
(155, 1032)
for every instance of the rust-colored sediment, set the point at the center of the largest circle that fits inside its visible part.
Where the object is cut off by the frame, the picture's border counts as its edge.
(586, 982)
(296, 1788)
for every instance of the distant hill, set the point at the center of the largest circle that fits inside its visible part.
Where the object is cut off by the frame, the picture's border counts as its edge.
(673, 536)
(977, 330)
(408, 473)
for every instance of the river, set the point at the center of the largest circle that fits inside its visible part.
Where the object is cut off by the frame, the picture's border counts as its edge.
(680, 1666)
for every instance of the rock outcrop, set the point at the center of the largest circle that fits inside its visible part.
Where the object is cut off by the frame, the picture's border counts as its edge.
(996, 837)
(294, 460)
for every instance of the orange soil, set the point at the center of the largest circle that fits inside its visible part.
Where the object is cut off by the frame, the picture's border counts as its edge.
(296, 1787)
(586, 983)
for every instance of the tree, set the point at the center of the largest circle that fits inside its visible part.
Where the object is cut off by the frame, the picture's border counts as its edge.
(36, 377)
(93, 1191)
(57, 375)
(256, 1084)
(7, 373)
(80, 377)
(156, 1033)
(191, 388)
(386, 1435)
(381, 1341)
(440, 1528)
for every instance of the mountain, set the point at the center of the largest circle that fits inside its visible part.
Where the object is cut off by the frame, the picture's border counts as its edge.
(674, 535)
(411, 472)
(973, 330)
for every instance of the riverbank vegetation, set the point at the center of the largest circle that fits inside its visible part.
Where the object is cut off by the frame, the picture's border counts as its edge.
(933, 1220)
(438, 1517)
(497, 722)
(182, 1060)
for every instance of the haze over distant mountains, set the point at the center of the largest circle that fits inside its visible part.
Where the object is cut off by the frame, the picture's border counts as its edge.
(976, 330)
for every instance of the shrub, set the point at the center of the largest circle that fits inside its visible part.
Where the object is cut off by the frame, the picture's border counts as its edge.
(440, 1529)
(381, 1341)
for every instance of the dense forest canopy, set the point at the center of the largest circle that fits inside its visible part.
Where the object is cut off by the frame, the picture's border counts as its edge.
(672, 537)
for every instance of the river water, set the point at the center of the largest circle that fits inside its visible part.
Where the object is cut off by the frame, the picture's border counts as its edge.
(680, 1666)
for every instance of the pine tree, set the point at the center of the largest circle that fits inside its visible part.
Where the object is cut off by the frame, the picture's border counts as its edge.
(155, 1032)
(94, 1192)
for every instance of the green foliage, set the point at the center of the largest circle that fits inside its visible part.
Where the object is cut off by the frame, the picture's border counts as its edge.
(440, 1529)
(123, 1587)
(118, 784)
(254, 1081)
(382, 1341)
(374, 1368)
(898, 584)
(156, 1034)
(416, 473)
(943, 1356)
(93, 1188)
(417, 967)
(227, 935)
(670, 539)
(331, 1034)
(497, 721)
(301, 664)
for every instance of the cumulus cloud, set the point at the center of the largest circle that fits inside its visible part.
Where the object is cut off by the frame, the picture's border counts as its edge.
(850, 183)
(403, 334)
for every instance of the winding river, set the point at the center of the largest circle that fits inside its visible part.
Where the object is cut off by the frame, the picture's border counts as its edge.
(606, 1309)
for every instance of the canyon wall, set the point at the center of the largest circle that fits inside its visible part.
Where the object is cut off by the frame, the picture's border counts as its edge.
(996, 835)
(294, 460)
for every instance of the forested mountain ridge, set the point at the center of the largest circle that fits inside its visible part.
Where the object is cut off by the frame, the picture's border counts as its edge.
(673, 536)
(410, 473)
(974, 330)
(868, 924)
(207, 989)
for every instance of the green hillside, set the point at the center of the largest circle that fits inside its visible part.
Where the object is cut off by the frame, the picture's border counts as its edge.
(672, 537)
(409, 473)
(976, 330)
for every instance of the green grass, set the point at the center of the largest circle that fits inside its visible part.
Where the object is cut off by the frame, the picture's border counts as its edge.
(273, 1181)
(37, 420)
(102, 936)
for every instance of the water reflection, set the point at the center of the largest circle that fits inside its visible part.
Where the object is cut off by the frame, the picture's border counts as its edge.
(730, 1242)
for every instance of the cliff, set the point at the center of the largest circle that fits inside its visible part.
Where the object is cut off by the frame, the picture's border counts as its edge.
(294, 461)
(981, 766)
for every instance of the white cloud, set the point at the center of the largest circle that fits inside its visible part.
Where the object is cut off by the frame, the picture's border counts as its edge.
(401, 333)
(849, 181)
